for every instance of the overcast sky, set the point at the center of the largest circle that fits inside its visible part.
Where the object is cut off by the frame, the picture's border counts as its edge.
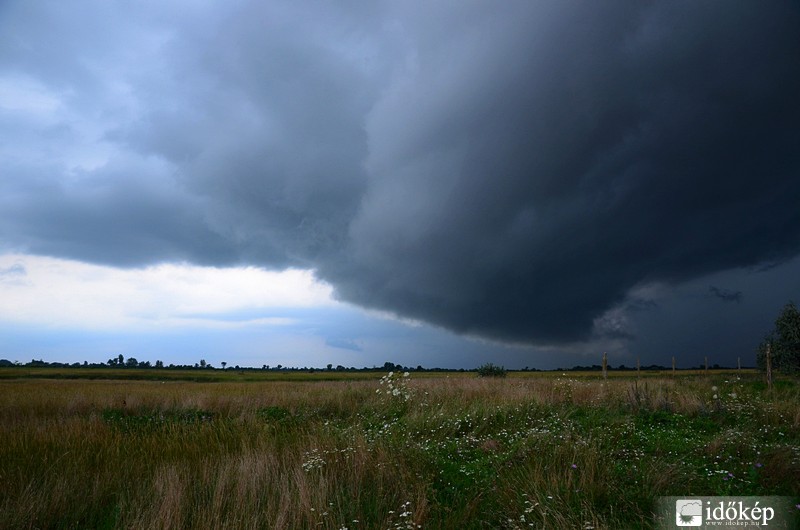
(437, 183)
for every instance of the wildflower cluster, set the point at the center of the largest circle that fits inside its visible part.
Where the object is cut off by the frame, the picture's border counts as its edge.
(729, 397)
(313, 460)
(525, 516)
(395, 386)
(316, 459)
(716, 402)
(404, 518)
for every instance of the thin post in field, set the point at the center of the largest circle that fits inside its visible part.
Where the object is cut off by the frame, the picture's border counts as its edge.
(605, 365)
(769, 365)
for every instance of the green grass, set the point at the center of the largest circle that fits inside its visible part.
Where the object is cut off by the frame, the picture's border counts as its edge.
(532, 451)
(197, 375)
(233, 375)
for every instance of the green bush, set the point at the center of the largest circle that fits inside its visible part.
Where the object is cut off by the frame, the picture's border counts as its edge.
(783, 341)
(491, 370)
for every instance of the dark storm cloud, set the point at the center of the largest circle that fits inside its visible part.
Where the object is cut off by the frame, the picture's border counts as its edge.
(344, 344)
(521, 189)
(511, 172)
(224, 137)
(726, 295)
(270, 127)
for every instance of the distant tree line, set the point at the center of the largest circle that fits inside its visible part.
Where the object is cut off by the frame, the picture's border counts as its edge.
(131, 362)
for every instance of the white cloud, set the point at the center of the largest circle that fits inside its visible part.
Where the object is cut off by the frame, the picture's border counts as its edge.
(26, 95)
(70, 294)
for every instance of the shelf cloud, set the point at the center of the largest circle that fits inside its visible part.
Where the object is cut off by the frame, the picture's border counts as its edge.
(511, 172)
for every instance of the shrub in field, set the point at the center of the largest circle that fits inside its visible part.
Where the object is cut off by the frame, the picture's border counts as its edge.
(491, 370)
(784, 342)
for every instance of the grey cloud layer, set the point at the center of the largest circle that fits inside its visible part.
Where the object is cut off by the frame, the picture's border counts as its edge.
(506, 172)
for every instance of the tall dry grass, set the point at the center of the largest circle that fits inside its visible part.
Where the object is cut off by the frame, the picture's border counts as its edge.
(549, 452)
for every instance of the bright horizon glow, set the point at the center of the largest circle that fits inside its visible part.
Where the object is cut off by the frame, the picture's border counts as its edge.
(65, 294)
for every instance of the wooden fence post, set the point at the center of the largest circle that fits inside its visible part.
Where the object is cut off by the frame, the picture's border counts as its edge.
(769, 365)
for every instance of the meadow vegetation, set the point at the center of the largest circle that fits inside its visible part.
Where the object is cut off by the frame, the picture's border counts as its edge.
(447, 452)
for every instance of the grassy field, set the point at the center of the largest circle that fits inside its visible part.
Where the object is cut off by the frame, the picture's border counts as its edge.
(449, 451)
(197, 375)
